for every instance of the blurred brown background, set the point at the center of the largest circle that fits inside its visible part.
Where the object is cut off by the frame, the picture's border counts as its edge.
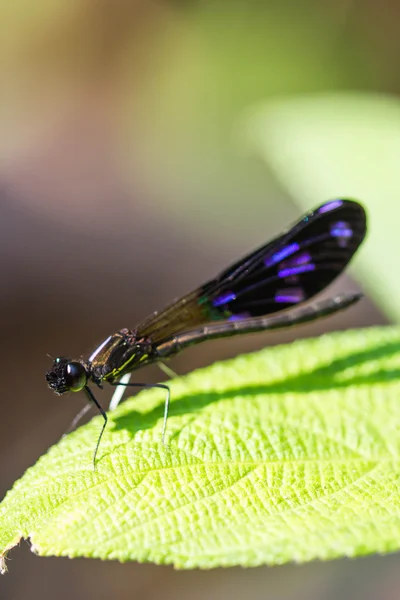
(121, 188)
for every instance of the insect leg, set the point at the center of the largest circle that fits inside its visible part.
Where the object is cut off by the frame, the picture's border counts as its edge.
(77, 418)
(166, 369)
(103, 414)
(119, 391)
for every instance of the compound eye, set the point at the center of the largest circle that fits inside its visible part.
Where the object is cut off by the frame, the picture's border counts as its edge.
(75, 376)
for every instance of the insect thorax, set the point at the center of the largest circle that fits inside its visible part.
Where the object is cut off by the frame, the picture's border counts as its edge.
(120, 353)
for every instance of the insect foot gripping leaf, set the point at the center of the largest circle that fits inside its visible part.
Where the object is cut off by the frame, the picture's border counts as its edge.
(290, 454)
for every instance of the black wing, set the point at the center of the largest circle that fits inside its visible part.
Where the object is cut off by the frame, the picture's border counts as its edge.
(291, 269)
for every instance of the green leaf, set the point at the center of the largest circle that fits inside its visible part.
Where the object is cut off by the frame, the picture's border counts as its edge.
(330, 145)
(289, 454)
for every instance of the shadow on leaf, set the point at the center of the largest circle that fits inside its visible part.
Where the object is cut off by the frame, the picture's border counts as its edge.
(323, 378)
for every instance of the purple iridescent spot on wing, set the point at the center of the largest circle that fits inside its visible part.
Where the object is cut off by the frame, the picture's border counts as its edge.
(342, 231)
(301, 259)
(224, 299)
(240, 316)
(281, 254)
(290, 295)
(296, 270)
(330, 206)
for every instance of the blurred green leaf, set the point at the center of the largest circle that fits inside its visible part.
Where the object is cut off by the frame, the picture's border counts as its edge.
(342, 145)
(292, 453)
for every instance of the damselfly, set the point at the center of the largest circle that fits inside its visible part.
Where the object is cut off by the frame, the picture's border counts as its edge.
(286, 272)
